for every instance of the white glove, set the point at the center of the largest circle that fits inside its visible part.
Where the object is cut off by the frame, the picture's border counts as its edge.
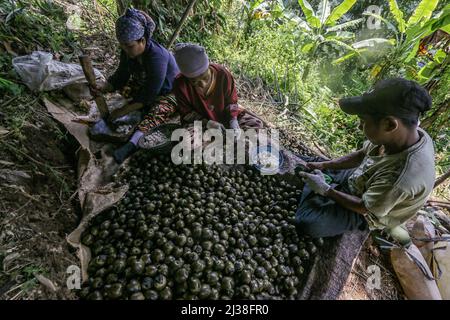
(234, 124)
(316, 181)
(215, 125)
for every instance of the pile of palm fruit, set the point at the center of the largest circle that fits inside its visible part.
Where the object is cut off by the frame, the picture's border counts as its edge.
(197, 232)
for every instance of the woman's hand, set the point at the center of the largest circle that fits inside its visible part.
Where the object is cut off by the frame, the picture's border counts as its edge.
(117, 113)
(100, 88)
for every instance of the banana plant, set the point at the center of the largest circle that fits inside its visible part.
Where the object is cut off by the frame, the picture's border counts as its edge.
(322, 27)
(407, 34)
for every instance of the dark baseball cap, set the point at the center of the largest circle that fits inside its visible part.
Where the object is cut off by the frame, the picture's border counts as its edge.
(391, 97)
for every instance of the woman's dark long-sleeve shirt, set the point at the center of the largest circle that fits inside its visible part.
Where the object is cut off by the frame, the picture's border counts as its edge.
(157, 73)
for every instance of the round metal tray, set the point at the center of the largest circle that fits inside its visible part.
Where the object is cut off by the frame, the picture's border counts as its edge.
(166, 129)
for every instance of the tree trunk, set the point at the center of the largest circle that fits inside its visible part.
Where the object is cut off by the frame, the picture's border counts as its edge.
(180, 24)
(122, 5)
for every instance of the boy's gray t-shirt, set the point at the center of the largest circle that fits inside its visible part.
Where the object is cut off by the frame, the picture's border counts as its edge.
(394, 187)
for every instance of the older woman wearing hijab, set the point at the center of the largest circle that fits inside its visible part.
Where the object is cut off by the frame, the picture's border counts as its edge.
(207, 90)
(150, 67)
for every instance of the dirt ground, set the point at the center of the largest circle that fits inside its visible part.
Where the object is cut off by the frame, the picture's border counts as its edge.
(37, 210)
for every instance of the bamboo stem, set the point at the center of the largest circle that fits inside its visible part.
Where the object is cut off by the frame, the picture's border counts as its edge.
(180, 24)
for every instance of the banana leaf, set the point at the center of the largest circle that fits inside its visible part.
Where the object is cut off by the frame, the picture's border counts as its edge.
(387, 22)
(398, 15)
(324, 10)
(371, 43)
(344, 58)
(423, 11)
(345, 25)
(307, 47)
(339, 11)
(340, 43)
(310, 15)
(417, 32)
(295, 18)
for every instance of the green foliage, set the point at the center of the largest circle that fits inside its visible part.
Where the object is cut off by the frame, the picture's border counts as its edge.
(10, 87)
(31, 25)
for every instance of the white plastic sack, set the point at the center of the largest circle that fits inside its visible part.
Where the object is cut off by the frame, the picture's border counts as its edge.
(41, 73)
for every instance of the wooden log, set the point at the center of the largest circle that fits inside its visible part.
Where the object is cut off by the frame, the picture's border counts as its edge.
(86, 64)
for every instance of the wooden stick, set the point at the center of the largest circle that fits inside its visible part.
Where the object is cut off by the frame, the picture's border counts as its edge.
(180, 24)
(442, 179)
(86, 64)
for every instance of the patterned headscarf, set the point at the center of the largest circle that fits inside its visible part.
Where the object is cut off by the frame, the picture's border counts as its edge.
(134, 25)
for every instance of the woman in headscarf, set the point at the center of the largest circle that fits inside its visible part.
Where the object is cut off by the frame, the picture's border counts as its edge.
(206, 90)
(151, 69)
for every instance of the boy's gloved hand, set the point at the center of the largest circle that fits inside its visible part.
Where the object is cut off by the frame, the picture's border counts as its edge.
(316, 181)
(211, 124)
(234, 124)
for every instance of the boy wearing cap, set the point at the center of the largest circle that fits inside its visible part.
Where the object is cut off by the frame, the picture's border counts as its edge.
(207, 91)
(383, 184)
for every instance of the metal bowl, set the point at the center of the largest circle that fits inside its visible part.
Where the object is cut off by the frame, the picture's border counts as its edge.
(255, 153)
(166, 129)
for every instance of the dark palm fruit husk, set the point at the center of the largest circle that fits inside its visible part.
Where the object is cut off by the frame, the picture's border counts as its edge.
(151, 295)
(219, 264)
(181, 240)
(166, 294)
(181, 275)
(212, 278)
(238, 266)
(101, 272)
(214, 294)
(84, 292)
(219, 249)
(133, 286)
(209, 262)
(137, 296)
(95, 295)
(111, 278)
(146, 259)
(198, 266)
(244, 291)
(312, 249)
(97, 283)
(157, 256)
(137, 267)
(147, 283)
(319, 242)
(245, 276)
(303, 254)
(88, 239)
(205, 291)
(151, 270)
(160, 282)
(177, 252)
(194, 285)
(260, 272)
